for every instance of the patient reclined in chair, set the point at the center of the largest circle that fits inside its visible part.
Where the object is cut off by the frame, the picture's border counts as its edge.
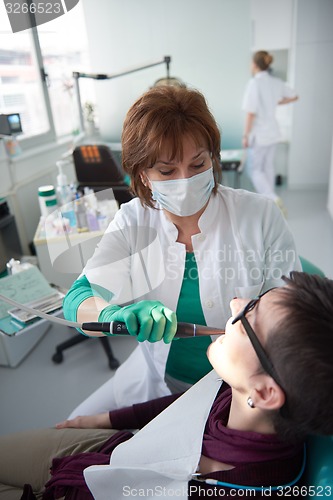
(246, 432)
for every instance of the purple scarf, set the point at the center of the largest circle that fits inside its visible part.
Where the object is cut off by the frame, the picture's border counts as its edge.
(240, 447)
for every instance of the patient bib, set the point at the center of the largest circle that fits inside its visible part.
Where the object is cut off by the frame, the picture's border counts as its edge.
(159, 460)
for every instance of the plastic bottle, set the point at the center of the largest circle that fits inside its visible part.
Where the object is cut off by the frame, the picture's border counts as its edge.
(92, 221)
(64, 194)
(65, 197)
(91, 204)
(81, 216)
(102, 217)
(47, 199)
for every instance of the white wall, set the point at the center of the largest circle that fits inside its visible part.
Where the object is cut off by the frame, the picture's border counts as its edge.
(310, 148)
(209, 43)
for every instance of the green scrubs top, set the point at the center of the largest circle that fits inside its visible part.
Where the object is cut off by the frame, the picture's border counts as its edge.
(187, 360)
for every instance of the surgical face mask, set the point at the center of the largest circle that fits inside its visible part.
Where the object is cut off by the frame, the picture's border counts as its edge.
(184, 197)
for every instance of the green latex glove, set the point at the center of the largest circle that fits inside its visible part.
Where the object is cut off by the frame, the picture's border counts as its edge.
(148, 320)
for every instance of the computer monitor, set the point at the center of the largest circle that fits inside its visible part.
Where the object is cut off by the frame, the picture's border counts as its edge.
(10, 124)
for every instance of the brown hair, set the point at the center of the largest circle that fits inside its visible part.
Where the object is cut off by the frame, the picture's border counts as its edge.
(262, 59)
(300, 347)
(164, 116)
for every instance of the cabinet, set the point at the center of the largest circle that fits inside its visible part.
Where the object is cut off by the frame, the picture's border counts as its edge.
(10, 246)
(62, 258)
(272, 24)
(14, 348)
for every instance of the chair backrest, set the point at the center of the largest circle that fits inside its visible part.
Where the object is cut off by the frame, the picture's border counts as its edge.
(310, 268)
(96, 166)
(319, 469)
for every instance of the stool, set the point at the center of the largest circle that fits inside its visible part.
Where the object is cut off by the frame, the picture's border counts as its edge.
(58, 356)
(232, 161)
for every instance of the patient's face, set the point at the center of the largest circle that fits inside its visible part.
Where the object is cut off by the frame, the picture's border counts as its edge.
(232, 354)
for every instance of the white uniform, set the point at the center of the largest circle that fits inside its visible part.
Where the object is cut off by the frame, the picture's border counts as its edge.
(262, 95)
(244, 248)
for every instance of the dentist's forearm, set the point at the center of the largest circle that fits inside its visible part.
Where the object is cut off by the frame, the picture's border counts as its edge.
(88, 312)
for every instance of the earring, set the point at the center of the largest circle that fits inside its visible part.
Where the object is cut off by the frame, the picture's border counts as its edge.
(250, 402)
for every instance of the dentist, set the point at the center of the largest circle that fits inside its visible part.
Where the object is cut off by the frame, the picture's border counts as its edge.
(179, 251)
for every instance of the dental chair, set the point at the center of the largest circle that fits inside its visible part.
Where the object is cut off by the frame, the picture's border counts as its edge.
(319, 467)
(308, 267)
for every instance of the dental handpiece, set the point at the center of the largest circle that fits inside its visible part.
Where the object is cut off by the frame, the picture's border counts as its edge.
(184, 330)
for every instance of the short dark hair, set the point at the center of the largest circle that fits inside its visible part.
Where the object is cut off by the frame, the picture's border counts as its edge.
(162, 116)
(301, 349)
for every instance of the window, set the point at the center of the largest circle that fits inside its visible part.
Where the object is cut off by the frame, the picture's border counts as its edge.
(21, 86)
(64, 48)
(36, 67)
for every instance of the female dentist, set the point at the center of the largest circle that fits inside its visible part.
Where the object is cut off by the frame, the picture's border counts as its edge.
(261, 132)
(180, 250)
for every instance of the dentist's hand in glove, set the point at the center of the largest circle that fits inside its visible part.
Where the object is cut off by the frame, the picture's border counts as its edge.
(147, 320)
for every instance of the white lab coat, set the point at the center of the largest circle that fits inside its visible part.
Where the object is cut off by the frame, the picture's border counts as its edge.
(244, 248)
(262, 95)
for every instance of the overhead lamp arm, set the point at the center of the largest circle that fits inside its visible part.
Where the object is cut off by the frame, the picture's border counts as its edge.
(100, 76)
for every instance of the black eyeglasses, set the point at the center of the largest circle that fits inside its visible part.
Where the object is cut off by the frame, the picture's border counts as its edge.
(260, 351)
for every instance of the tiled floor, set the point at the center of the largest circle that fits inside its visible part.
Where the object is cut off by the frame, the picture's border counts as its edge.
(39, 393)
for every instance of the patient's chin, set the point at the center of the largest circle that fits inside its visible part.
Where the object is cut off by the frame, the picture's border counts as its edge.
(210, 353)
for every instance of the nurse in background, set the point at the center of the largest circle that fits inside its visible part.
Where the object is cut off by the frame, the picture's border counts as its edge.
(261, 132)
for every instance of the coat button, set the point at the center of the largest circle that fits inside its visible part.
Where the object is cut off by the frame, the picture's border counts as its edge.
(209, 303)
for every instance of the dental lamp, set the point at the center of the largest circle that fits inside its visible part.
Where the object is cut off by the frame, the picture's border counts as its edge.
(97, 76)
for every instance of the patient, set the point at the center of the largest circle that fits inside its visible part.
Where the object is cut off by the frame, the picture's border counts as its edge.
(276, 362)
